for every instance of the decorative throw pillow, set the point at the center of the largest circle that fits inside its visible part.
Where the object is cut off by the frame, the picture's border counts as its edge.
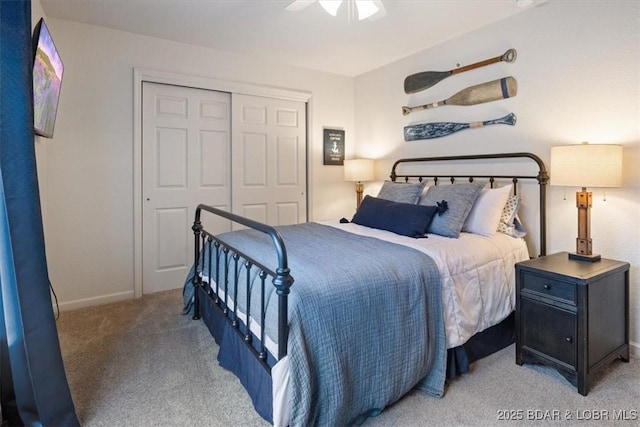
(509, 211)
(400, 218)
(487, 211)
(509, 222)
(401, 192)
(460, 199)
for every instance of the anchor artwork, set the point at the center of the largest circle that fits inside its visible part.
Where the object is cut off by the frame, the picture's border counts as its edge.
(333, 147)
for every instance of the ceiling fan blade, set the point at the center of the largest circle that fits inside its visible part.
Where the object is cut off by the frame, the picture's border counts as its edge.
(381, 13)
(297, 5)
(366, 9)
(331, 6)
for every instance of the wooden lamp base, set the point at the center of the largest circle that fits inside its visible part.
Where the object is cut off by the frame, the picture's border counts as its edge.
(359, 191)
(584, 244)
(582, 257)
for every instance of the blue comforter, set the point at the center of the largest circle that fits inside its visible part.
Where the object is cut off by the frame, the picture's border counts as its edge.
(365, 321)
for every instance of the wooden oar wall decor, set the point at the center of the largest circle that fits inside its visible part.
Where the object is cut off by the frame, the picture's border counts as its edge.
(439, 129)
(494, 90)
(425, 79)
(503, 88)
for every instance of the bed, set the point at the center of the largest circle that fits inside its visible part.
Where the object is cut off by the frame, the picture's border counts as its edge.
(379, 306)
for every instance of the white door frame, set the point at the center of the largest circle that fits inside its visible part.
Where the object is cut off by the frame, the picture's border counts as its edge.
(154, 76)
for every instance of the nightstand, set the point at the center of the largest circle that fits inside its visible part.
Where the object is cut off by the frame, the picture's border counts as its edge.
(572, 315)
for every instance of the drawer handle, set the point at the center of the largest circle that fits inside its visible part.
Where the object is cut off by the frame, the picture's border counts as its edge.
(547, 287)
(569, 339)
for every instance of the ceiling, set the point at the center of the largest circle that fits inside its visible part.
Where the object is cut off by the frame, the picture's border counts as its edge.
(308, 38)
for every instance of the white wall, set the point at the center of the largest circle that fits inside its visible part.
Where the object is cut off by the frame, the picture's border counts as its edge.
(577, 69)
(89, 176)
(578, 73)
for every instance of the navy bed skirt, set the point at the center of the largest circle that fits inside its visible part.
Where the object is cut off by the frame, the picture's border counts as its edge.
(481, 345)
(234, 356)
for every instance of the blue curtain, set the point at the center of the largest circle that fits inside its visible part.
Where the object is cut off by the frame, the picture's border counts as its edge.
(33, 384)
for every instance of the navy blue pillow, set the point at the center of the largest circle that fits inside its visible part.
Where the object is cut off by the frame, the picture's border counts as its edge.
(400, 218)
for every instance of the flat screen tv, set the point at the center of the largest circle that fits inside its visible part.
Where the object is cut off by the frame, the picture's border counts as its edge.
(47, 80)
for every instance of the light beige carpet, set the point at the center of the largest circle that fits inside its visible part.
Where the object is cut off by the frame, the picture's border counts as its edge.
(142, 363)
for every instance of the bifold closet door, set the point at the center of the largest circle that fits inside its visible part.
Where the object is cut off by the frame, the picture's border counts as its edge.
(186, 160)
(269, 172)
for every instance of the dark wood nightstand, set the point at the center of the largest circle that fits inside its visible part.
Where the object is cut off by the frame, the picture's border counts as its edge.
(572, 315)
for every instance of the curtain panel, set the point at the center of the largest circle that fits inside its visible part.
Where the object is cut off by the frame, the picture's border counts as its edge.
(33, 386)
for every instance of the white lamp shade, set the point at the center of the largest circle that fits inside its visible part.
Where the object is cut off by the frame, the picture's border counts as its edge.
(359, 170)
(587, 165)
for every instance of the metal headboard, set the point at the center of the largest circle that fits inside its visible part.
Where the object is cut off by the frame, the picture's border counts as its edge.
(542, 178)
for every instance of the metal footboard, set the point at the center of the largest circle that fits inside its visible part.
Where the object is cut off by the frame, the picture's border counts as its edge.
(228, 262)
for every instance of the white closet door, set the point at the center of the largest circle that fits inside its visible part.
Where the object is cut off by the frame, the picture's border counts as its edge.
(185, 161)
(269, 159)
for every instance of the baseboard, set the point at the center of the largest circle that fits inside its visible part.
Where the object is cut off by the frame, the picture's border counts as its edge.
(93, 301)
(634, 349)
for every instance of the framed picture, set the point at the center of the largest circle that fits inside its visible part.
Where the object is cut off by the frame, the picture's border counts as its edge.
(333, 147)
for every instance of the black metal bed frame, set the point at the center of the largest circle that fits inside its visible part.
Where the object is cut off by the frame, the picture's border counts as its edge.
(282, 280)
(281, 277)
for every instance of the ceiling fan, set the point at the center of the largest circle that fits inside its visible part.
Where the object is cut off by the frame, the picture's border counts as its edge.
(367, 9)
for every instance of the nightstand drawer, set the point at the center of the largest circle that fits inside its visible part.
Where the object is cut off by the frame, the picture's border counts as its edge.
(548, 287)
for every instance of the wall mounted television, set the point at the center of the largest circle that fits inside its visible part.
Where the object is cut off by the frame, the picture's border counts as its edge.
(47, 80)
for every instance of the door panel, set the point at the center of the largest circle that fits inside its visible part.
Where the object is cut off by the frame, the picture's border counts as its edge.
(170, 230)
(269, 145)
(186, 137)
(287, 172)
(213, 159)
(171, 158)
(257, 212)
(253, 167)
(287, 213)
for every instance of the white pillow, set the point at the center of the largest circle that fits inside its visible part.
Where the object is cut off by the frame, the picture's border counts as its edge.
(486, 211)
(509, 222)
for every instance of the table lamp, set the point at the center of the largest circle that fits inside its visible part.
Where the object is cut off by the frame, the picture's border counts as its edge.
(359, 170)
(586, 165)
